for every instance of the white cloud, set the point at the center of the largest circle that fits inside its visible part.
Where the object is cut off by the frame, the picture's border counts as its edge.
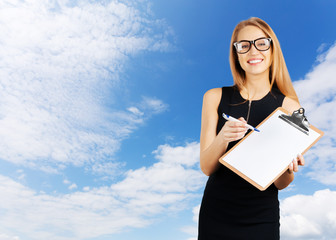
(72, 186)
(175, 177)
(6, 237)
(135, 111)
(20, 174)
(163, 188)
(66, 181)
(154, 105)
(309, 217)
(172, 155)
(60, 61)
(317, 93)
(193, 229)
(143, 110)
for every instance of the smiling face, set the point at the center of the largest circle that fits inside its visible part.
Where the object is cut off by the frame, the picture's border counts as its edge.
(254, 62)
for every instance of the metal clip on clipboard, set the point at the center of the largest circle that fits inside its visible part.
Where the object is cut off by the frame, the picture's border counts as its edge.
(297, 120)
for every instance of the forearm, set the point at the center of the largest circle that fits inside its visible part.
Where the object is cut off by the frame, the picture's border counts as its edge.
(212, 144)
(210, 156)
(284, 180)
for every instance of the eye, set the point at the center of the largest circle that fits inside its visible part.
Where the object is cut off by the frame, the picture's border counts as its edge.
(261, 44)
(245, 45)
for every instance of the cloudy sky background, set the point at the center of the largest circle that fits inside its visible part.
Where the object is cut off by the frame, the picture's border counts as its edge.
(100, 106)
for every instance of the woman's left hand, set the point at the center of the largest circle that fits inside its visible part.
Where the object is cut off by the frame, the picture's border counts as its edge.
(294, 165)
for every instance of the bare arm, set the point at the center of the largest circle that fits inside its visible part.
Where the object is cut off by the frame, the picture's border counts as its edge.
(287, 177)
(213, 146)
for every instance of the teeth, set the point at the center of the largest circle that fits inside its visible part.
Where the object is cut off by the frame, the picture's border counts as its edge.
(255, 61)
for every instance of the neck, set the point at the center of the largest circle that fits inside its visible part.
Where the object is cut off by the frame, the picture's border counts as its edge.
(256, 86)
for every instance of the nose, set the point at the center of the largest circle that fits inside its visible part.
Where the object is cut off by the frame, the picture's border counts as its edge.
(253, 50)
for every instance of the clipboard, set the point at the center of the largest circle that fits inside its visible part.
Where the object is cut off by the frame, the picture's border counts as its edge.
(262, 157)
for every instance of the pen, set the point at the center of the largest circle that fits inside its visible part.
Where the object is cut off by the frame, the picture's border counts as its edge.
(229, 118)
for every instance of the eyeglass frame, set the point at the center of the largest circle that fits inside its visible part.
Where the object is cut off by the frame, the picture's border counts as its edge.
(253, 42)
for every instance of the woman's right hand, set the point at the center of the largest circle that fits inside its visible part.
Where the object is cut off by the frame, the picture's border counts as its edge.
(233, 131)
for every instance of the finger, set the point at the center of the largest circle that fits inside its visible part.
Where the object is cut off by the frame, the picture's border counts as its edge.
(301, 160)
(233, 136)
(242, 119)
(235, 132)
(238, 130)
(295, 165)
(236, 124)
(235, 127)
(231, 133)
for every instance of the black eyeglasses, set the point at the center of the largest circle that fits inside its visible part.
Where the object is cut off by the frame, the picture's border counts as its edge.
(261, 44)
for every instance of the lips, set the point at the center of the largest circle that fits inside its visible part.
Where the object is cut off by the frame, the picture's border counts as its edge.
(255, 61)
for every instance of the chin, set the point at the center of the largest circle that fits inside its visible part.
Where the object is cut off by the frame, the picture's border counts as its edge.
(256, 72)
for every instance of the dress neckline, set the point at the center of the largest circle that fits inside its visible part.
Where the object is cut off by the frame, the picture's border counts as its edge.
(256, 100)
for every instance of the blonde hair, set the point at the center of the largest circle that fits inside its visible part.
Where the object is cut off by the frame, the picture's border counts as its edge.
(278, 69)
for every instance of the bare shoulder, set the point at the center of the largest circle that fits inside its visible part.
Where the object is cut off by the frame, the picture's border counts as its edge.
(213, 95)
(290, 104)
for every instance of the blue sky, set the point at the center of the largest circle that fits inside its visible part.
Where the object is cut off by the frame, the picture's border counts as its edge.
(100, 114)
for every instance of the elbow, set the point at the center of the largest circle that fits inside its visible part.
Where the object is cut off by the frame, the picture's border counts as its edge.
(284, 181)
(203, 167)
(280, 187)
(207, 173)
(205, 170)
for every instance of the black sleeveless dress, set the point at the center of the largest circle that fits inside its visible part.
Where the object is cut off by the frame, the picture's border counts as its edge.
(231, 207)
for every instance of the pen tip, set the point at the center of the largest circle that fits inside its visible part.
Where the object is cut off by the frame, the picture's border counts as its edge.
(257, 130)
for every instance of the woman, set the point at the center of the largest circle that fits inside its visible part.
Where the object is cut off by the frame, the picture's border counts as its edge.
(231, 207)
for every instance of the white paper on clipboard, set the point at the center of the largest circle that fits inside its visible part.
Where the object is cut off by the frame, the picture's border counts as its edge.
(261, 157)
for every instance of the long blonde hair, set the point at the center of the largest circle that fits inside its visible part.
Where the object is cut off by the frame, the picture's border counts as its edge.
(278, 69)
